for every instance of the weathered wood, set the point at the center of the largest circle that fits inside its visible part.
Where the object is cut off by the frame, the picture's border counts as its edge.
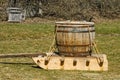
(74, 22)
(21, 55)
(90, 63)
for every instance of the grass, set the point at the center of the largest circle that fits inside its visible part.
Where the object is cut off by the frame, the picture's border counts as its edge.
(37, 37)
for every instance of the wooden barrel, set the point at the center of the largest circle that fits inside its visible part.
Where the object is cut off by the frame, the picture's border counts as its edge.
(74, 38)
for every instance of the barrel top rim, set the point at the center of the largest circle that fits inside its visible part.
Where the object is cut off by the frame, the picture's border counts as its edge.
(75, 22)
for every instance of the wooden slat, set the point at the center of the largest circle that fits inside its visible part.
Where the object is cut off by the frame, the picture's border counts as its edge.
(21, 55)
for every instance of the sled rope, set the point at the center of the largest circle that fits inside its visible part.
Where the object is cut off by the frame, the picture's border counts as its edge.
(52, 47)
(93, 45)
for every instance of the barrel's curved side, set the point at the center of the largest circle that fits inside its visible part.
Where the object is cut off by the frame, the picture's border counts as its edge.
(74, 40)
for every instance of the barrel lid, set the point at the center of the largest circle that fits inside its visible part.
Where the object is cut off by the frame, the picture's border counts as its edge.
(75, 22)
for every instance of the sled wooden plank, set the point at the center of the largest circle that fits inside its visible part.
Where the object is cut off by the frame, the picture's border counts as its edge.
(21, 55)
(73, 63)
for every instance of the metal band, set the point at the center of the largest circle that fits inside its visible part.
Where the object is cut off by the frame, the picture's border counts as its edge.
(74, 31)
(75, 54)
(84, 45)
(74, 26)
(81, 52)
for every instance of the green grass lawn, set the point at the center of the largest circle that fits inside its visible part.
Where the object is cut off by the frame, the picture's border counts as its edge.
(37, 37)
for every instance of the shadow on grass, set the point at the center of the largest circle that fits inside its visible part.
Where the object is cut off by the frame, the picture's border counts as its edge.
(37, 67)
(31, 64)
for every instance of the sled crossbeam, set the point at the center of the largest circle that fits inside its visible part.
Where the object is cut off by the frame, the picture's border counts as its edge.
(21, 55)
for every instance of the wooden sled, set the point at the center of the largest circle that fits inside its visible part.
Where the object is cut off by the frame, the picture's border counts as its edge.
(96, 62)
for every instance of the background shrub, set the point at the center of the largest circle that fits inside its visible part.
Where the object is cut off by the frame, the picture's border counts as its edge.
(66, 9)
